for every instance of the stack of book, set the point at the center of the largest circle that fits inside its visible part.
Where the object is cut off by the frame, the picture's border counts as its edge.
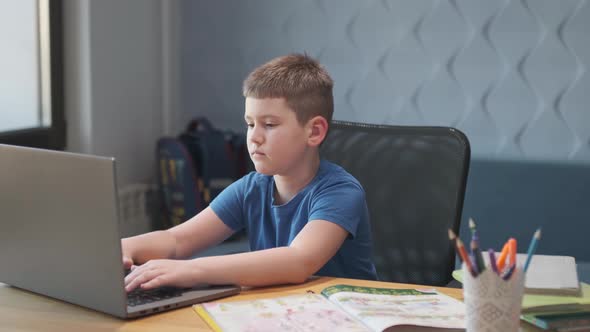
(558, 312)
(554, 298)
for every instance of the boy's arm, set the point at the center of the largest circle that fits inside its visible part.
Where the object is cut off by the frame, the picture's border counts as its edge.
(311, 249)
(200, 232)
(141, 248)
(317, 242)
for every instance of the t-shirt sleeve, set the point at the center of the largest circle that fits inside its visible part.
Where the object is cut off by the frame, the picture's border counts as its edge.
(228, 204)
(342, 203)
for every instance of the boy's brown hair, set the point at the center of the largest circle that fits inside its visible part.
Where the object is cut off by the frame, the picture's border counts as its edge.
(301, 80)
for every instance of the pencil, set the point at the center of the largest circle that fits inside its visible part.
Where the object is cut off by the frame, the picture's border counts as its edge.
(472, 226)
(475, 250)
(532, 248)
(461, 251)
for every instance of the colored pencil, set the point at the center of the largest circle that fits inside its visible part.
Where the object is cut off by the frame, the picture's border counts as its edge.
(462, 252)
(532, 248)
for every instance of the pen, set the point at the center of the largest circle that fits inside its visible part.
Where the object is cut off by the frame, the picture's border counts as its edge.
(473, 262)
(511, 253)
(493, 260)
(462, 252)
(508, 273)
(475, 250)
(532, 248)
(502, 258)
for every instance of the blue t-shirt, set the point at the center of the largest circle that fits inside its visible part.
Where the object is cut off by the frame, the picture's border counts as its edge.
(333, 195)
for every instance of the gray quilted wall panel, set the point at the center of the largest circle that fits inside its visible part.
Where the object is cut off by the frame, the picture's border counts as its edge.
(511, 74)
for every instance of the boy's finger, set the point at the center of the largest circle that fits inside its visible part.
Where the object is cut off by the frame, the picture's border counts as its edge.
(132, 283)
(136, 279)
(127, 262)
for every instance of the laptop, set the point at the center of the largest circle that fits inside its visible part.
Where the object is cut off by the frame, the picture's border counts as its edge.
(59, 234)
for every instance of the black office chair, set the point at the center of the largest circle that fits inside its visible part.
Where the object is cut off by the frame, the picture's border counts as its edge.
(414, 179)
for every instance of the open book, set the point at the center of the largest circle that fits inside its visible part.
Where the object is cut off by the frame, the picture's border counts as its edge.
(340, 308)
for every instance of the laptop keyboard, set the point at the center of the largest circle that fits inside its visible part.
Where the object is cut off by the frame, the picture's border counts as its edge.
(139, 296)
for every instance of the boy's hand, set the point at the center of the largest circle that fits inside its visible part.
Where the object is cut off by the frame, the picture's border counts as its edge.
(127, 262)
(161, 272)
(127, 255)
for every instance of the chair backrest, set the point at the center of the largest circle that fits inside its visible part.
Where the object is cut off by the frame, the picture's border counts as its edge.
(414, 179)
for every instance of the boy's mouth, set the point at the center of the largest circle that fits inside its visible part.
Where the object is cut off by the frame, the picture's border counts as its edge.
(257, 153)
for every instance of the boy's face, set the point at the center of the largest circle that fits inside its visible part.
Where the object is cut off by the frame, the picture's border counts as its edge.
(276, 140)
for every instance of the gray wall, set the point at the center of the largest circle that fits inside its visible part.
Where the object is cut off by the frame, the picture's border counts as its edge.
(510, 74)
(121, 65)
(116, 82)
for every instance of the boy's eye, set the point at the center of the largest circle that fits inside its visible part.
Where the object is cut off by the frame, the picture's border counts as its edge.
(250, 125)
(270, 125)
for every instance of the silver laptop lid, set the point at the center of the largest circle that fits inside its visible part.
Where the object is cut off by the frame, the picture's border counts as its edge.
(59, 232)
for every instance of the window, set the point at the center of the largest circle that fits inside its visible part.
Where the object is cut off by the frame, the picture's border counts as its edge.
(31, 89)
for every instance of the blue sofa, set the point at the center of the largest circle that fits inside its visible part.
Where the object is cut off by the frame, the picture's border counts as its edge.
(513, 198)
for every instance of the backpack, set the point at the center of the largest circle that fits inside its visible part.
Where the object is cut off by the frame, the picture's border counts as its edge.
(196, 166)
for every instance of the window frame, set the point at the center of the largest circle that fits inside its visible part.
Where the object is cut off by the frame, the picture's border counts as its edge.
(54, 136)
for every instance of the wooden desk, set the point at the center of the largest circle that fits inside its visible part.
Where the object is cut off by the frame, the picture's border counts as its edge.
(24, 311)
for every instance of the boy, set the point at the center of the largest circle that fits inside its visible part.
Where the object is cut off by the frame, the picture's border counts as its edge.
(303, 215)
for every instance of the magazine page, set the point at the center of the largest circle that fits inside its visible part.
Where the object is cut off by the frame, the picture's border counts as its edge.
(305, 312)
(380, 308)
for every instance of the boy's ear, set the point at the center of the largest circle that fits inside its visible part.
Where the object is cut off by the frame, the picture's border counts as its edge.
(318, 129)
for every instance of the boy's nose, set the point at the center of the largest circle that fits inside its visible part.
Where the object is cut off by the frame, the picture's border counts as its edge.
(255, 136)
